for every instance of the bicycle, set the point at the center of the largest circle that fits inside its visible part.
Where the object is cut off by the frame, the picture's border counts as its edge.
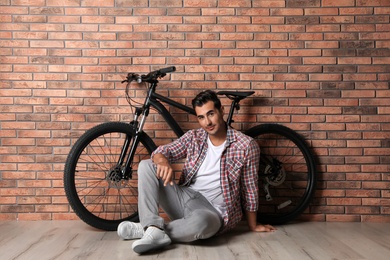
(100, 176)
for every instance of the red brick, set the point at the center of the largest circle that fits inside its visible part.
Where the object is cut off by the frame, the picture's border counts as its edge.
(286, 44)
(337, 19)
(14, 43)
(376, 201)
(252, 77)
(372, 3)
(344, 201)
(356, 11)
(287, 28)
(307, 118)
(362, 160)
(30, 35)
(291, 77)
(376, 218)
(267, 20)
(345, 151)
(338, 3)
(29, 19)
(286, 11)
(273, 3)
(319, 60)
(363, 193)
(197, 3)
(325, 11)
(381, 10)
(323, 28)
(363, 176)
(362, 210)
(190, 11)
(13, 10)
(219, 61)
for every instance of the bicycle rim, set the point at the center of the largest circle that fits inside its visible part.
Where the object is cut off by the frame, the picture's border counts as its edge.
(93, 182)
(287, 175)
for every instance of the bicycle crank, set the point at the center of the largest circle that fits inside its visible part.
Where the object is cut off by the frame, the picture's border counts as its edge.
(275, 176)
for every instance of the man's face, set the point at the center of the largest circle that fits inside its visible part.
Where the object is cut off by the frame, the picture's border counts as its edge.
(210, 118)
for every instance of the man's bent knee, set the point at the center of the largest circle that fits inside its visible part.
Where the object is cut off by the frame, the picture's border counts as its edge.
(145, 165)
(146, 169)
(208, 224)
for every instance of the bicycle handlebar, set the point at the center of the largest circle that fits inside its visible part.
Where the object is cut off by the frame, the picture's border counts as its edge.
(151, 77)
(167, 70)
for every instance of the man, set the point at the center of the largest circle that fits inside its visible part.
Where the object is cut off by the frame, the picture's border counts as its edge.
(219, 179)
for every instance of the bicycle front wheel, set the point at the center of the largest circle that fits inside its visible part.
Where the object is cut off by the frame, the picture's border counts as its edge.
(93, 179)
(287, 173)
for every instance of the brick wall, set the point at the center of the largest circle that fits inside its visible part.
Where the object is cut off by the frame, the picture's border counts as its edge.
(320, 66)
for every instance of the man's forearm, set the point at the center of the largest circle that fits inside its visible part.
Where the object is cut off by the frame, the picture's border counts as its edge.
(251, 217)
(159, 158)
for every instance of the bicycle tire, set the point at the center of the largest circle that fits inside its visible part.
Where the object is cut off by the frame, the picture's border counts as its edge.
(289, 168)
(93, 184)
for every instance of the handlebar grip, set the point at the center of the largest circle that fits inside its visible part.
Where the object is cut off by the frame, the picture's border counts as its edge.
(167, 70)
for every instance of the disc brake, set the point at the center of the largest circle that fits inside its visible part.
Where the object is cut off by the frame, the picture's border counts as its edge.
(276, 176)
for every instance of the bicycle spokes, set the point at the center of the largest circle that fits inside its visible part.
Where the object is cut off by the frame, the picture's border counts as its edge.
(99, 179)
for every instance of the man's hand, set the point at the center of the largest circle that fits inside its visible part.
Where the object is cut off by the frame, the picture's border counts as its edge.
(164, 169)
(264, 228)
(251, 217)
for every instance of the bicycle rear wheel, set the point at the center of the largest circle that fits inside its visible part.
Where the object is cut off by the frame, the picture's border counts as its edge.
(93, 179)
(287, 173)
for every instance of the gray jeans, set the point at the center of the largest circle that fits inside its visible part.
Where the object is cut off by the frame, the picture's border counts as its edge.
(192, 216)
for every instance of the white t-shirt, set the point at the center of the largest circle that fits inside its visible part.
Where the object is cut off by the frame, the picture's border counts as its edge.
(207, 180)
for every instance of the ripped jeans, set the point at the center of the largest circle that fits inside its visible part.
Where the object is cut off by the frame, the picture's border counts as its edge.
(192, 216)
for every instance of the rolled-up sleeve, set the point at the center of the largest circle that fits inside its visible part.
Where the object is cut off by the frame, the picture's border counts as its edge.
(249, 180)
(176, 150)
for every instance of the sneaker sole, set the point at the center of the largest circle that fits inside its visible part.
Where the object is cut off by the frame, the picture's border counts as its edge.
(142, 248)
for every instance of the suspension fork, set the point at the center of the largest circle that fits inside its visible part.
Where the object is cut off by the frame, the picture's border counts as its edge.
(131, 144)
(127, 170)
(132, 141)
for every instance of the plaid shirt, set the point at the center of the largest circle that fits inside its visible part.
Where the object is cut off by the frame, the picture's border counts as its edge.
(239, 167)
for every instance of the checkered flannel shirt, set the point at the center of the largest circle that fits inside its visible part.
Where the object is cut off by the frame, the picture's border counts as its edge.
(239, 167)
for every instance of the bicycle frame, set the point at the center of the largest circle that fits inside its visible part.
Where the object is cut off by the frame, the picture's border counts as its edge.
(165, 113)
(155, 100)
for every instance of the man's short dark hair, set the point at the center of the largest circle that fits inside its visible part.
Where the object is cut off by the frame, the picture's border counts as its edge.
(204, 97)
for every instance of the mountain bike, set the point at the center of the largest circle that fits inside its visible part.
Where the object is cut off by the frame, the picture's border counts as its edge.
(100, 176)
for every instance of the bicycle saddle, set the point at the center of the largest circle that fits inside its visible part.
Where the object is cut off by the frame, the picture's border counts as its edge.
(236, 94)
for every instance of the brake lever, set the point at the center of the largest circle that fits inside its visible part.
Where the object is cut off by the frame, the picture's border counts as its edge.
(132, 77)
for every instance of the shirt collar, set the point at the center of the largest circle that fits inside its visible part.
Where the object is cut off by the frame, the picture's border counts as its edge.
(230, 136)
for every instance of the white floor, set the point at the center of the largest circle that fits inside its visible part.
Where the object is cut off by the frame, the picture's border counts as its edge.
(311, 240)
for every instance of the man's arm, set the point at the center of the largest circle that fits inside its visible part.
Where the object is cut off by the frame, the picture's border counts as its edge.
(164, 168)
(250, 186)
(165, 154)
(251, 217)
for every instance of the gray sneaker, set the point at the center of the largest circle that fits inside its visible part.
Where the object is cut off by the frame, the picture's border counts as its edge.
(153, 238)
(129, 230)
